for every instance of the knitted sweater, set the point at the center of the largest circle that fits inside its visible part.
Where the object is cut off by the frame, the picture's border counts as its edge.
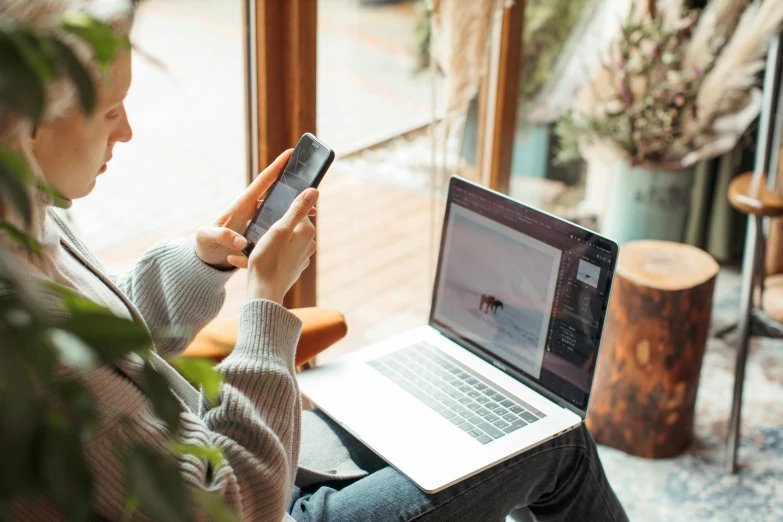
(257, 422)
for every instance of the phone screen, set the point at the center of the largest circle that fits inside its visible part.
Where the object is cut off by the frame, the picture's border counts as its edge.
(306, 161)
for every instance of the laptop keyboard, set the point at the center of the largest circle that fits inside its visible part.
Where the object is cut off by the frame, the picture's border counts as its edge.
(449, 388)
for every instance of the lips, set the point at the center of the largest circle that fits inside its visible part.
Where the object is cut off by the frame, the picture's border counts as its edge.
(103, 168)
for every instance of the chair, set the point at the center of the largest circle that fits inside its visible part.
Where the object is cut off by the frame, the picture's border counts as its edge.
(322, 327)
(755, 194)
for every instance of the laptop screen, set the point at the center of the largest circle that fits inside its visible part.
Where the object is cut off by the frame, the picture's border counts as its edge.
(526, 289)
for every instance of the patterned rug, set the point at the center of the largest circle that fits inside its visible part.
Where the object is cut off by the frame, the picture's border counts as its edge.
(695, 486)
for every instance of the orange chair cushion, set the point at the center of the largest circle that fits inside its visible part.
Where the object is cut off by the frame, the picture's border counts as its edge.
(321, 328)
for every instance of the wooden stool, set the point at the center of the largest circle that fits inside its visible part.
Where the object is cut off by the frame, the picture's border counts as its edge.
(772, 300)
(656, 330)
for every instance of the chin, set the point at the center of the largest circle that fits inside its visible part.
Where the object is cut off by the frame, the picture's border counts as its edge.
(86, 190)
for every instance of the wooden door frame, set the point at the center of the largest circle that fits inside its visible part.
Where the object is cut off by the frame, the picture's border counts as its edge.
(498, 100)
(280, 93)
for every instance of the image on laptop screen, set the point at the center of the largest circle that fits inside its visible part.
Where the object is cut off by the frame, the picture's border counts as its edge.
(485, 295)
(526, 288)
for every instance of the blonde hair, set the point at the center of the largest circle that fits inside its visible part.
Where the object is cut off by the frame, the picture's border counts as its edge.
(45, 15)
(61, 95)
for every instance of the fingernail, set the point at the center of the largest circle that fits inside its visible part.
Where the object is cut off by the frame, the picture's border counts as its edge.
(311, 196)
(240, 242)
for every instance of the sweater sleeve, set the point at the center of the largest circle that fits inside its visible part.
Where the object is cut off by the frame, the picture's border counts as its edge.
(172, 287)
(257, 421)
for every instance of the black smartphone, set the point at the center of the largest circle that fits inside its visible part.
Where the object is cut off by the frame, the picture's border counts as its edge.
(305, 168)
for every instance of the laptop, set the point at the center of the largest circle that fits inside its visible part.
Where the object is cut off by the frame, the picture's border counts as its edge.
(507, 359)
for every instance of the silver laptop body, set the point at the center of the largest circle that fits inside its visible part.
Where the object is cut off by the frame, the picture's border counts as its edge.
(507, 360)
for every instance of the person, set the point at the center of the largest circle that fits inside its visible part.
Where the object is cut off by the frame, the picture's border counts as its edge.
(280, 463)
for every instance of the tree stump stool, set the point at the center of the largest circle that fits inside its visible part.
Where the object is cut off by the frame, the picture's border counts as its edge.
(647, 374)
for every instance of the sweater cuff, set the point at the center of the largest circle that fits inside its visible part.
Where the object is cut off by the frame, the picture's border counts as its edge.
(194, 280)
(199, 268)
(267, 330)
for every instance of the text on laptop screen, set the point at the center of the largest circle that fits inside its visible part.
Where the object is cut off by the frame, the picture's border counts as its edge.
(528, 289)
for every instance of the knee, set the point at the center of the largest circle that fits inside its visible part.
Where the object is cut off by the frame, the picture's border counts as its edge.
(579, 436)
(581, 443)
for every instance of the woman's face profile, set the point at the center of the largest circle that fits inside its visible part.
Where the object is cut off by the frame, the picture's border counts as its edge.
(74, 149)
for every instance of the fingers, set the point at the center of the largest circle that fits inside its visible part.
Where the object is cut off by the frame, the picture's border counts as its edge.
(304, 267)
(263, 181)
(221, 236)
(237, 261)
(304, 232)
(299, 210)
(312, 213)
(307, 254)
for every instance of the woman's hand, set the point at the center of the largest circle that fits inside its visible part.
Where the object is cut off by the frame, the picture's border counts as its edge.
(283, 253)
(222, 241)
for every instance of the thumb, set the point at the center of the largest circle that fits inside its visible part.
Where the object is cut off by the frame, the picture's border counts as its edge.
(212, 235)
(299, 209)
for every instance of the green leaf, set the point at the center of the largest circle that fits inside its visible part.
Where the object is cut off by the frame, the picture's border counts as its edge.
(155, 480)
(66, 474)
(20, 88)
(17, 236)
(33, 50)
(79, 76)
(211, 453)
(106, 43)
(171, 333)
(111, 337)
(14, 176)
(73, 351)
(55, 420)
(201, 372)
(17, 163)
(48, 189)
(5, 508)
(131, 505)
(18, 318)
(163, 400)
(215, 506)
(75, 302)
(21, 420)
(79, 404)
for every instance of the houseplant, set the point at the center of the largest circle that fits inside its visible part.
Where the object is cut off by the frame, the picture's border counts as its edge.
(677, 86)
(47, 413)
(548, 25)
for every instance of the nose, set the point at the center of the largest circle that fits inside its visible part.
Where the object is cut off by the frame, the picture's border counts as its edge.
(124, 132)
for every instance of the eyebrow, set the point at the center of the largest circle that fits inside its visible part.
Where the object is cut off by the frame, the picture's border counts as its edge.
(113, 104)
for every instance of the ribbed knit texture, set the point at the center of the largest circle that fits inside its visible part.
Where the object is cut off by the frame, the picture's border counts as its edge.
(257, 421)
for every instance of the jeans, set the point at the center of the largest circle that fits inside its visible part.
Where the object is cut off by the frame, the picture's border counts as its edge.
(559, 480)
